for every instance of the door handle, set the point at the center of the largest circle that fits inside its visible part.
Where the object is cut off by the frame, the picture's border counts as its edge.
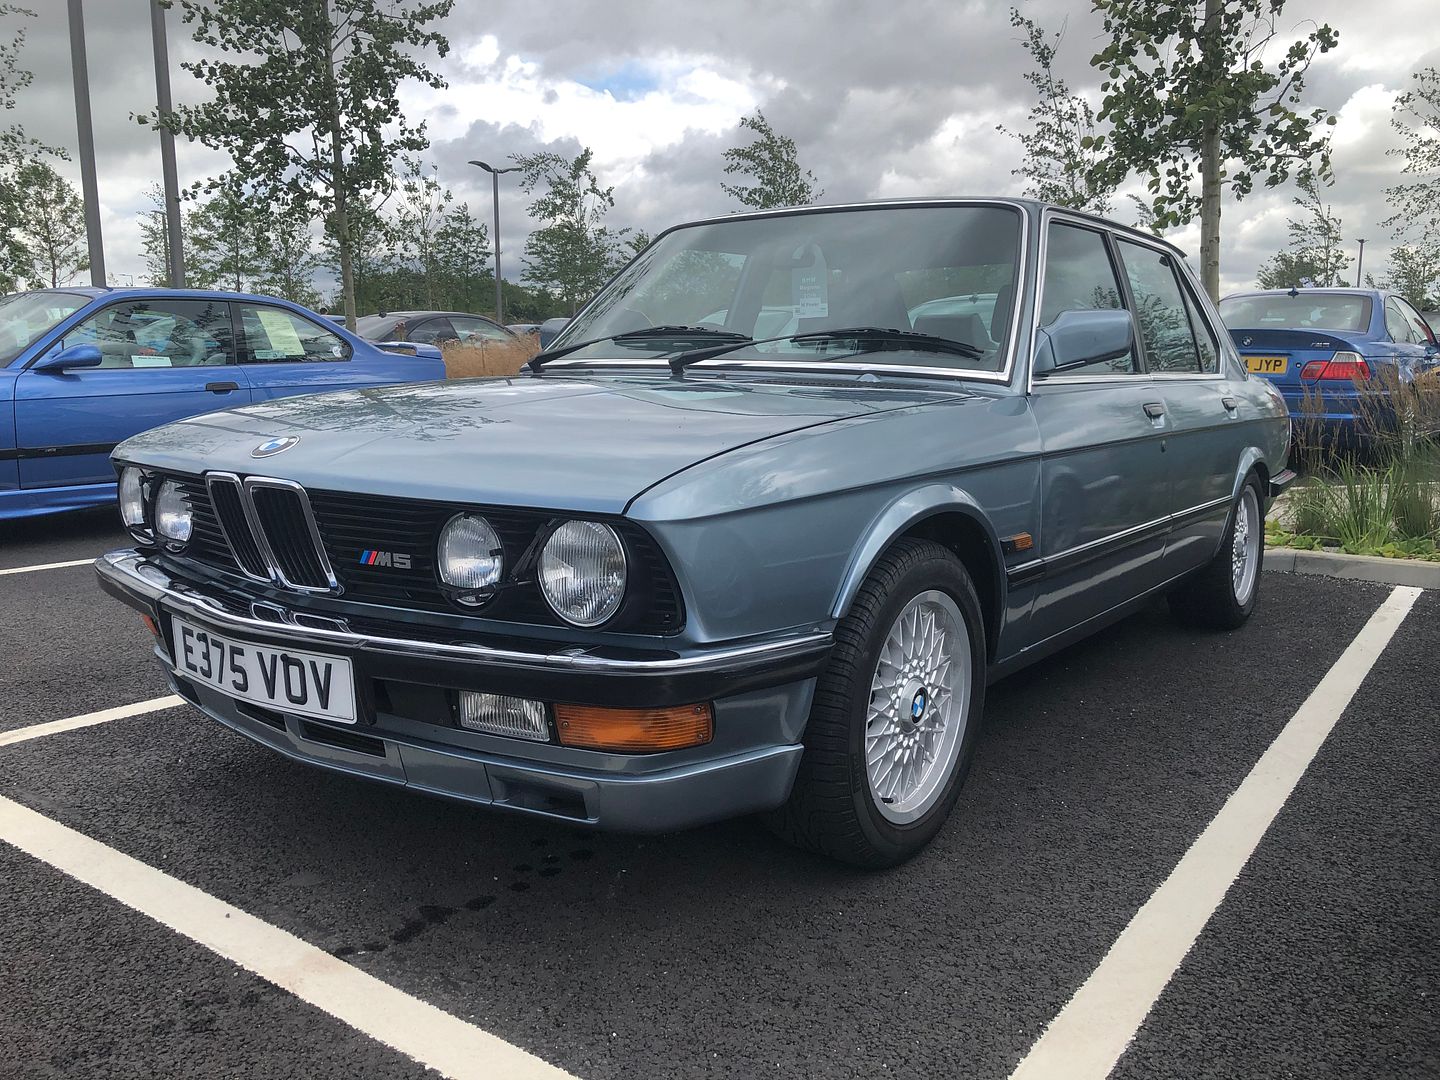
(1230, 403)
(221, 387)
(1154, 410)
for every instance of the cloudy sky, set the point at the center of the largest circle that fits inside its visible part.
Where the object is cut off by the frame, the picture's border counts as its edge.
(884, 98)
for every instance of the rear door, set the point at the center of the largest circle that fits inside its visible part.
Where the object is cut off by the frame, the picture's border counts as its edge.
(285, 353)
(163, 360)
(1203, 410)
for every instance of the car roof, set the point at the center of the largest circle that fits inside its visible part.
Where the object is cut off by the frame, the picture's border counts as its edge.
(426, 315)
(142, 292)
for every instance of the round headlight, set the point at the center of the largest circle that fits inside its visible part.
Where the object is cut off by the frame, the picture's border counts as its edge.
(582, 572)
(471, 556)
(132, 497)
(173, 519)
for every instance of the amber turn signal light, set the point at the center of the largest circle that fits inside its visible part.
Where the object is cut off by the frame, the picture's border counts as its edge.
(150, 625)
(591, 727)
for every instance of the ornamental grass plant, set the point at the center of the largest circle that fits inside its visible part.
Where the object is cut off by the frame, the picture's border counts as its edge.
(488, 358)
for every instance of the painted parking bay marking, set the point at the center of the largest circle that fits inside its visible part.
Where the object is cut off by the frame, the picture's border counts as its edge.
(417, 1029)
(103, 716)
(1094, 1028)
(46, 566)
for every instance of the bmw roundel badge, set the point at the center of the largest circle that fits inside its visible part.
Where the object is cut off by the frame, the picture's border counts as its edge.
(278, 445)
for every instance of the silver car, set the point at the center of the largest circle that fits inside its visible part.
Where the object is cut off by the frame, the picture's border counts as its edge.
(677, 571)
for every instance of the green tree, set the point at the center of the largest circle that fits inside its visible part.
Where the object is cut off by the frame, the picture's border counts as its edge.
(573, 252)
(1189, 99)
(1414, 273)
(305, 99)
(17, 150)
(225, 234)
(772, 163)
(1416, 202)
(1059, 165)
(51, 227)
(155, 237)
(461, 253)
(1316, 254)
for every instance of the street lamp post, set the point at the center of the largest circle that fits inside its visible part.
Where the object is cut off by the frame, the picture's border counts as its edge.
(1359, 263)
(495, 188)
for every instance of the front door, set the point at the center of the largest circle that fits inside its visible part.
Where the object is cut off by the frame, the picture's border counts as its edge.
(1104, 479)
(162, 360)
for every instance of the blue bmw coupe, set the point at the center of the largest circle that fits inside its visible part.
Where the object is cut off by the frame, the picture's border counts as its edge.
(82, 369)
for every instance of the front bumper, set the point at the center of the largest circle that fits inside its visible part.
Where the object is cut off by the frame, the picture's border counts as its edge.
(761, 693)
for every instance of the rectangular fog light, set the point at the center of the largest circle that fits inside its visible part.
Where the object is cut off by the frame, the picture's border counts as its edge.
(496, 714)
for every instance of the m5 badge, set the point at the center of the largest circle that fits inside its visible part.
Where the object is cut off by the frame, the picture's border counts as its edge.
(398, 559)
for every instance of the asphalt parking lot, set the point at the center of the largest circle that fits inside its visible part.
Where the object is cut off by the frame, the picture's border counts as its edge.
(720, 952)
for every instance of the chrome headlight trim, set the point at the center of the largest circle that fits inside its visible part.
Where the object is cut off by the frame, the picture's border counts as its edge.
(469, 558)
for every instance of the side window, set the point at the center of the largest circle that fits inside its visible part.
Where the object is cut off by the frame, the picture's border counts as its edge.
(1398, 326)
(468, 330)
(1423, 333)
(1080, 277)
(276, 336)
(431, 331)
(1160, 310)
(159, 334)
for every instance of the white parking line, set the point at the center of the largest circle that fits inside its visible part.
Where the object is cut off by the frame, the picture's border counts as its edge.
(417, 1029)
(45, 566)
(53, 727)
(1090, 1033)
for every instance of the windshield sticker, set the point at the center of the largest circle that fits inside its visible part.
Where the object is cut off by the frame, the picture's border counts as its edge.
(269, 354)
(150, 361)
(281, 332)
(810, 283)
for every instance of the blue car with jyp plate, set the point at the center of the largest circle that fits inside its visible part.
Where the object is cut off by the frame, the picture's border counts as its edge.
(82, 369)
(1333, 353)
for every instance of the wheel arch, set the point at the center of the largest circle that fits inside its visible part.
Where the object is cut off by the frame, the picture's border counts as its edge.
(952, 518)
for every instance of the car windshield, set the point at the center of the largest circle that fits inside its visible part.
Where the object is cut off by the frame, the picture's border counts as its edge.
(942, 271)
(1302, 310)
(376, 327)
(26, 317)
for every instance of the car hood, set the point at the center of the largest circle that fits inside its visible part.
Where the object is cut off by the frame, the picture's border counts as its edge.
(586, 444)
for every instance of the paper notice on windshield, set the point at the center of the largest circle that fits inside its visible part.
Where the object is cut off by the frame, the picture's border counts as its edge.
(149, 361)
(281, 332)
(810, 285)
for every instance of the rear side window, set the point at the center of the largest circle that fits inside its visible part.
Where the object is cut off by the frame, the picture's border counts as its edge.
(1401, 328)
(1425, 333)
(276, 336)
(1080, 277)
(1160, 310)
(469, 331)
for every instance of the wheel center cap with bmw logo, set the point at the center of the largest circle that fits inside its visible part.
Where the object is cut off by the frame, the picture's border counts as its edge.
(918, 704)
(278, 445)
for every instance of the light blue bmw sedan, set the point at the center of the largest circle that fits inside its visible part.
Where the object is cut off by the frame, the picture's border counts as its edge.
(82, 369)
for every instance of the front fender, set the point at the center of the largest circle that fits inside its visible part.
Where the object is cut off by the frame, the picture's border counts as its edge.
(902, 515)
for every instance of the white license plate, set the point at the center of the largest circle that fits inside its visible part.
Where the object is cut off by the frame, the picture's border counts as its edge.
(286, 680)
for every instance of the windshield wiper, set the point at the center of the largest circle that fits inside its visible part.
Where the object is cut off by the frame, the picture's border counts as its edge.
(730, 337)
(878, 337)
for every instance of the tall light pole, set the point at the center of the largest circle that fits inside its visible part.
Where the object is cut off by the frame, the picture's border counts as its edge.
(175, 240)
(1360, 262)
(495, 187)
(80, 75)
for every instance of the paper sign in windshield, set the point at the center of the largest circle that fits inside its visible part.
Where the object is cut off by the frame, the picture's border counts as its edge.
(810, 284)
(150, 361)
(281, 332)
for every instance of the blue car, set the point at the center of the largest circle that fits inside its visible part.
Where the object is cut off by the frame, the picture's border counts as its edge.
(83, 369)
(1329, 350)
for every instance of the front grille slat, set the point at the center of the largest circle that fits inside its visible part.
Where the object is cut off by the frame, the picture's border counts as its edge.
(229, 502)
(282, 514)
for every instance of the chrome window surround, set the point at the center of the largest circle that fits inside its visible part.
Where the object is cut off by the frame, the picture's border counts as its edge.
(1002, 376)
(276, 576)
(1177, 259)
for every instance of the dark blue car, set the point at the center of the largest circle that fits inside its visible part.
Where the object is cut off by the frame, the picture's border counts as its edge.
(83, 369)
(1328, 350)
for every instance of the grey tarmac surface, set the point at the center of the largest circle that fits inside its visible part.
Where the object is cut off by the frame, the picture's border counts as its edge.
(720, 952)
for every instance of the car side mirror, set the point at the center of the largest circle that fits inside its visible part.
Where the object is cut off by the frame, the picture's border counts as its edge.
(1079, 338)
(76, 356)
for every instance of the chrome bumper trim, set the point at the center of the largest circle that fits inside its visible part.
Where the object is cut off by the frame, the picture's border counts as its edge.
(127, 572)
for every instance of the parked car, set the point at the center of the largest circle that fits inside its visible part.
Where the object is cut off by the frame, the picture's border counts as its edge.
(523, 329)
(675, 574)
(403, 348)
(83, 368)
(550, 329)
(1331, 350)
(431, 328)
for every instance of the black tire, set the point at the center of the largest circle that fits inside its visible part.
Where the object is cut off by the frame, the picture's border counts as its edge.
(831, 810)
(1208, 599)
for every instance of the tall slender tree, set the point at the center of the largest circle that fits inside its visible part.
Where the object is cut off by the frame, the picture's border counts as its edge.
(1191, 103)
(17, 150)
(1316, 252)
(772, 162)
(1059, 165)
(51, 227)
(305, 99)
(573, 252)
(1416, 201)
